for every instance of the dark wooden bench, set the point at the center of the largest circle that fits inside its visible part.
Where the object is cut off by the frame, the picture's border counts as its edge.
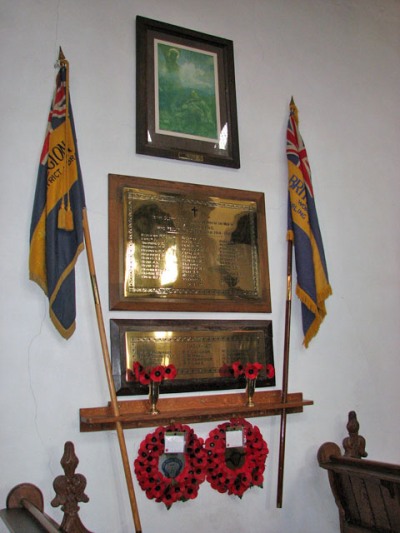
(366, 492)
(24, 510)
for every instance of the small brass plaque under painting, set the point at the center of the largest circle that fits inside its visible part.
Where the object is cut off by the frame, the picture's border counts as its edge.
(201, 350)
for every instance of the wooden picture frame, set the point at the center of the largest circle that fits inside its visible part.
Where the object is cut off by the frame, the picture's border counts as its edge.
(198, 348)
(184, 247)
(185, 95)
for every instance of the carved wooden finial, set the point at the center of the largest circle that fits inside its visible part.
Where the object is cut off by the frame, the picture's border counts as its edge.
(69, 491)
(354, 444)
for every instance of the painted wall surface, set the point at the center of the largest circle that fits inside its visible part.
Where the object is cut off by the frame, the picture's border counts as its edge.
(340, 59)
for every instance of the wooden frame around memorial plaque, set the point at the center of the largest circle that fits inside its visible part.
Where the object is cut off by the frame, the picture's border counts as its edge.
(201, 350)
(185, 95)
(185, 247)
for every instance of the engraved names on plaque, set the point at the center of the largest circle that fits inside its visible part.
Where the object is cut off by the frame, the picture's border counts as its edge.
(197, 354)
(178, 245)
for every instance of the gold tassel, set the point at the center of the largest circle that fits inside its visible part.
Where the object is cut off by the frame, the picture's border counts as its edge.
(69, 219)
(61, 217)
(65, 217)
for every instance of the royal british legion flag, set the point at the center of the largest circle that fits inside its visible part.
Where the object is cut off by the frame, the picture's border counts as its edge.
(313, 286)
(56, 236)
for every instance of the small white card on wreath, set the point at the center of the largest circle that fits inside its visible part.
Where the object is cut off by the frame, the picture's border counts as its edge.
(234, 438)
(174, 442)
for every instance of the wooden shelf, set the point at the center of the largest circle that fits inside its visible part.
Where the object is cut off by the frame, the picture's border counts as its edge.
(190, 409)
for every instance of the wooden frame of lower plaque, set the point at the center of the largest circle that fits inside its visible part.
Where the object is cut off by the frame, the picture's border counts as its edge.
(200, 350)
(184, 247)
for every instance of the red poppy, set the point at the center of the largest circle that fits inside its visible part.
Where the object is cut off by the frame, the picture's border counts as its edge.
(144, 377)
(158, 488)
(159, 433)
(270, 371)
(170, 372)
(258, 478)
(237, 368)
(252, 369)
(189, 492)
(157, 373)
(154, 439)
(137, 369)
(145, 483)
(152, 447)
(226, 371)
(150, 460)
(238, 489)
(257, 443)
(149, 492)
(199, 473)
(177, 491)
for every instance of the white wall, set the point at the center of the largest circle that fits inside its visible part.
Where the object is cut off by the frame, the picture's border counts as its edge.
(340, 60)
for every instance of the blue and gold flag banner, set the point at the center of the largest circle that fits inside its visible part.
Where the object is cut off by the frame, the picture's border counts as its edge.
(313, 286)
(56, 236)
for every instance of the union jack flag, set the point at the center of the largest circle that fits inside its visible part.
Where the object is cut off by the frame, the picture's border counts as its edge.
(313, 286)
(56, 236)
(56, 116)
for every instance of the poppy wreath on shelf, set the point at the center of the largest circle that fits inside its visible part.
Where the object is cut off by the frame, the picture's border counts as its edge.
(234, 470)
(169, 478)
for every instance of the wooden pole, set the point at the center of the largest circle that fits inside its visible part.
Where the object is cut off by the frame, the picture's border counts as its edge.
(103, 339)
(285, 376)
(110, 381)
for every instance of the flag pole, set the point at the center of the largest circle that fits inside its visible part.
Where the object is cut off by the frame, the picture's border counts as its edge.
(285, 372)
(104, 345)
(107, 363)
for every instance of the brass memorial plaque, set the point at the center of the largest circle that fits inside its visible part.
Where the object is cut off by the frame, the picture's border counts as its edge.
(200, 350)
(179, 246)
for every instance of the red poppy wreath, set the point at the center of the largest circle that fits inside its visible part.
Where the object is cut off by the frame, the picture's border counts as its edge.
(235, 470)
(168, 478)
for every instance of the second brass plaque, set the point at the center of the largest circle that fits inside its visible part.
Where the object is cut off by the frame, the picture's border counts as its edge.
(201, 351)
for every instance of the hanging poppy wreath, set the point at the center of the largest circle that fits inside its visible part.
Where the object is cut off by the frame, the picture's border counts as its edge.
(235, 470)
(168, 478)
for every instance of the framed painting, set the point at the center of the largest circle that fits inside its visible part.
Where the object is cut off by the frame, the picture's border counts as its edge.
(185, 95)
(202, 352)
(185, 247)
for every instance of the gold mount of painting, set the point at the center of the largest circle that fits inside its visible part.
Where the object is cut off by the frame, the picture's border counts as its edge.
(178, 246)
